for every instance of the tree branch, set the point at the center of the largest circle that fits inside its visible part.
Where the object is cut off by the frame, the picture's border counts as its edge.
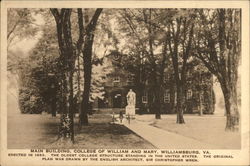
(81, 29)
(92, 24)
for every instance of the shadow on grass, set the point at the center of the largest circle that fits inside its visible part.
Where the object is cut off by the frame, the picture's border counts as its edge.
(105, 128)
(28, 131)
(100, 133)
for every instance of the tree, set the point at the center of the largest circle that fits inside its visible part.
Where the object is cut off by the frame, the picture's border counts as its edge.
(87, 63)
(99, 75)
(218, 45)
(128, 44)
(20, 25)
(38, 84)
(67, 63)
(46, 65)
(168, 30)
(146, 51)
(37, 88)
(180, 27)
(157, 76)
(28, 97)
(46, 55)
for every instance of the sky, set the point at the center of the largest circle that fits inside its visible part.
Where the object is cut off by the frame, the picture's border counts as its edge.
(27, 44)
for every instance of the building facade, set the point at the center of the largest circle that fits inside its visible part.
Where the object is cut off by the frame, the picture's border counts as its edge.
(199, 93)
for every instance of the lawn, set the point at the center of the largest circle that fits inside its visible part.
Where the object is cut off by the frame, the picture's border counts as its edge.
(40, 131)
(26, 131)
(207, 128)
(102, 134)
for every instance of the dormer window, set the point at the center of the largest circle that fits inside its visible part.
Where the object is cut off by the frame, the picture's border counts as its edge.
(130, 78)
(117, 79)
(116, 57)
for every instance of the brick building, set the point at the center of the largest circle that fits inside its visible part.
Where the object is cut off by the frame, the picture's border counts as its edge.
(199, 92)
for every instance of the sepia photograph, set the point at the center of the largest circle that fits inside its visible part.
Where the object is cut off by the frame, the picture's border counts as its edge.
(124, 78)
(109, 78)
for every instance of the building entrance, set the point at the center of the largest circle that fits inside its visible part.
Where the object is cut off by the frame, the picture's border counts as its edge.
(102, 103)
(117, 100)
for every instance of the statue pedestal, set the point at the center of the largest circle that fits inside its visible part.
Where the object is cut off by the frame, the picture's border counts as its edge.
(130, 110)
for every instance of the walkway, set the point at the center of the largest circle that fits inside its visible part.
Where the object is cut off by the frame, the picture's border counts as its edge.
(163, 139)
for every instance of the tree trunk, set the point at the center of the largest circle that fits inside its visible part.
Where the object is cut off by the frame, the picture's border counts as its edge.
(157, 103)
(53, 108)
(200, 103)
(157, 99)
(232, 113)
(224, 62)
(82, 118)
(87, 62)
(53, 101)
(67, 60)
(140, 89)
(79, 85)
(71, 103)
(180, 104)
(66, 124)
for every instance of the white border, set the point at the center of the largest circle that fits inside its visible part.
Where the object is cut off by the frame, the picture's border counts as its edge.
(241, 156)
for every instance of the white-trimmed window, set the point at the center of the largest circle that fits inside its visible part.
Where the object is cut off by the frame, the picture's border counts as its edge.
(145, 97)
(166, 77)
(167, 96)
(175, 97)
(180, 76)
(130, 78)
(202, 100)
(117, 79)
(189, 94)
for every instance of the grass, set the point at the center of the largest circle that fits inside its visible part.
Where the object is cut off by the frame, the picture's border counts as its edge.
(101, 134)
(40, 131)
(26, 131)
(208, 129)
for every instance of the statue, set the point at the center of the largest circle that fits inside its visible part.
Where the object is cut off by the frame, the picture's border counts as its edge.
(131, 97)
(131, 100)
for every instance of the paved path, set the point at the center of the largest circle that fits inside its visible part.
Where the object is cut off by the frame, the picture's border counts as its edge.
(163, 139)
